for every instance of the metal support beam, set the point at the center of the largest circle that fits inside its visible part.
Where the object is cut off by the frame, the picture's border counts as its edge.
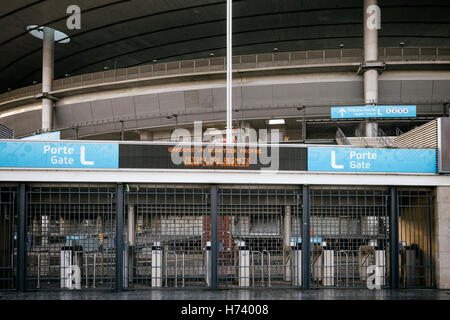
(21, 235)
(306, 239)
(119, 237)
(214, 237)
(393, 230)
(229, 72)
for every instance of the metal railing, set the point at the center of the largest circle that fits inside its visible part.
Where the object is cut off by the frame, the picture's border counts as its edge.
(362, 140)
(218, 64)
(384, 140)
(341, 138)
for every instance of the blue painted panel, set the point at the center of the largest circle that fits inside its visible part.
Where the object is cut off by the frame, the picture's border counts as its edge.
(372, 160)
(373, 112)
(59, 155)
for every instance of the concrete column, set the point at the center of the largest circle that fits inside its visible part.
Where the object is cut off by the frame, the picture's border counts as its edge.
(370, 55)
(441, 237)
(48, 51)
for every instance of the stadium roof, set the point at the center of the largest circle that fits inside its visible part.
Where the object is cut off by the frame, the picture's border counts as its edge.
(124, 33)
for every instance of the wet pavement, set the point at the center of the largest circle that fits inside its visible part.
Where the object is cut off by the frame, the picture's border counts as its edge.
(253, 294)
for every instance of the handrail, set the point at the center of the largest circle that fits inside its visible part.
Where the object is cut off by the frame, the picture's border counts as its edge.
(346, 263)
(176, 266)
(39, 271)
(383, 138)
(342, 137)
(253, 267)
(361, 138)
(217, 64)
(268, 264)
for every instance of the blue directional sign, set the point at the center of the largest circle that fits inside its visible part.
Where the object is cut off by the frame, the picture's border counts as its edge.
(59, 155)
(373, 112)
(372, 160)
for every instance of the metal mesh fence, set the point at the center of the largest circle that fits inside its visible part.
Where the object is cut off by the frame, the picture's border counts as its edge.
(255, 228)
(8, 236)
(71, 236)
(70, 241)
(349, 237)
(165, 243)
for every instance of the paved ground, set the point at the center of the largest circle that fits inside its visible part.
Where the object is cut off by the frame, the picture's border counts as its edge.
(254, 294)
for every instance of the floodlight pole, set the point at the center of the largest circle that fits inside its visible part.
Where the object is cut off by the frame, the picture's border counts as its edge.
(229, 73)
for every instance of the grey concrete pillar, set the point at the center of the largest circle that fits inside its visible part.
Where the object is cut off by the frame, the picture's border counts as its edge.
(441, 237)
(48, 51)
(370, 55)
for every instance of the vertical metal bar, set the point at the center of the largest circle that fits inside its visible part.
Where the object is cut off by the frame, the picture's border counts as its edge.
(229, 71)
(306, 239)
(429, 240)
(393, 229)
(214, 212)
(119, 237)
(21, 228)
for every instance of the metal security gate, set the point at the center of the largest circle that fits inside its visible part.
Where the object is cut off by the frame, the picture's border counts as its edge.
(257, 226)
(165, 238)
(70, 239)
(229, 236)
(415, 238)
(8, 234)
(349, 236)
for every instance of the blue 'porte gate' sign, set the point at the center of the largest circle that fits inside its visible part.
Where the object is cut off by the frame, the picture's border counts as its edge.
(106, 155)
(372, 160)
(59, 155)
(373, 112)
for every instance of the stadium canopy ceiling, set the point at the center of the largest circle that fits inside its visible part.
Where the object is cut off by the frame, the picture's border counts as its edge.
(124, 33)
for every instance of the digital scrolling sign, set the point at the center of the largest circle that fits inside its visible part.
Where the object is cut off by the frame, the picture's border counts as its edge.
(212, 157)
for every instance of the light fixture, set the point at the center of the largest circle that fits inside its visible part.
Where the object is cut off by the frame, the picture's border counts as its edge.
(38, 32)
(154, 60)
(402, 44)
(341, 45)
(276, 121)
(275, 49)
(67, 75)
(105, 68)
(211, 54)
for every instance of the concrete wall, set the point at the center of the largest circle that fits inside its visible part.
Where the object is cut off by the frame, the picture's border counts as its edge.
(443, 237)
(147, 106)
